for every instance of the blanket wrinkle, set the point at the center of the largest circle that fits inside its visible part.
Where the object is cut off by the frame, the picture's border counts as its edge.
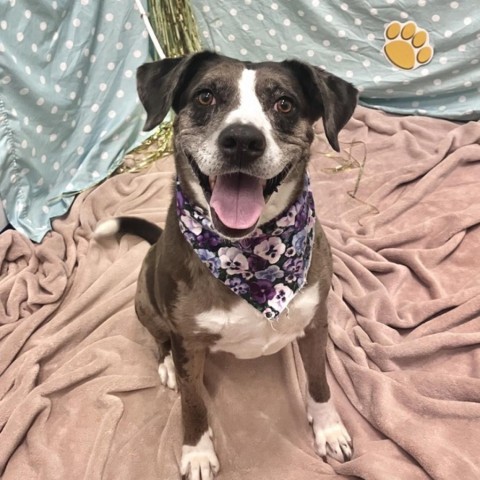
(80, 395)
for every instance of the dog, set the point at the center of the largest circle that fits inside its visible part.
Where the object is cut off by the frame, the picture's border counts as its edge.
(242, 265)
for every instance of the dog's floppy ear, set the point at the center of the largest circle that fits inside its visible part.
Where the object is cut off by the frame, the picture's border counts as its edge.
(328, 97)
(160, 83)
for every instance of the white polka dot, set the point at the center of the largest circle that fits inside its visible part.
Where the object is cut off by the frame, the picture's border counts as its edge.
(357, 21)
(299, 38)
(84, 2)
(260, 17)
(56, 166)
(3, 25)
(43, 26)
(112, 114)
(424, 72)
(437, 82)
(64, 144)
(419, 92)
(454, 5)
(111, 66)
(24, 144)
(326, 43)
(40, 101)
(217, 48)
(436, 18)
(373, 11)
(245, 27)
(45, 209)
(102, 87)
(119, 45)
(79, 74)
(76, 22)
(63, 66)
(341, 33)
(69, 44)
(349, 74)
(462, 99)
(54, 110)
(27, 13)
(389, 90)
(447, 34)
(206, 8)
(231, 38)
(100, 37)
(354, 48)
(128, 73)
(272, 32)
(43, 158)
(137, 53)
(274, 6)
(243, 51)
(72, 95)
(283, 47)
(54, 5)
(443, 60)
(467, 84)
(257, 42)
(28, 70)
(403, 15)
(366, 62)
(87, 129)
(53, 137)
(57, 88)
(474, 61)
(20, 36)
(462, 48)
(73, 171)
(219, 23)
(344, 7)
(390, 2)
(269, 56)
(422, 3)
(315, 3)
(310, 53)
(377, 78)
(6, 79)
(24, 91)
(233, 12)
(301, 13)
(248, 2)
(95, 174)
(120, 94)
(467, 21)
(338, 58)
(128, 26)
(328, 18)
(26, 120)
(80, 150)
(34, 48)
(287, 22)
(371, 37)
(313, 28)
(104, 155)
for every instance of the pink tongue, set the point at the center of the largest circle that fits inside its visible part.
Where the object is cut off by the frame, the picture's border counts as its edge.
(237, 200)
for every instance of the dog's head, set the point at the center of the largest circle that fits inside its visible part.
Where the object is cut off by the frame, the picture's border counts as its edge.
(243, 130)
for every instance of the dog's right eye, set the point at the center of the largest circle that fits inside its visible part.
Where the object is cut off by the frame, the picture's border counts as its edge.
(205, 98)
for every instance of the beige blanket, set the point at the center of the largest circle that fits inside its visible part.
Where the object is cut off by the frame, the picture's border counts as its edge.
(79, 393)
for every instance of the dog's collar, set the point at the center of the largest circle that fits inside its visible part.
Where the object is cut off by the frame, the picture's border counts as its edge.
(268, 267)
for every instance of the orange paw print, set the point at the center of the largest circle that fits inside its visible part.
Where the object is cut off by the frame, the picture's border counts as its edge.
(406, 45)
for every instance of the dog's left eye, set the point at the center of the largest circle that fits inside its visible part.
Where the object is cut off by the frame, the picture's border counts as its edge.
(283, 105)
(205, 98)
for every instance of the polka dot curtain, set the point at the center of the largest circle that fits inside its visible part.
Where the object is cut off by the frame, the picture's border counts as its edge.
(68, 102)
(405, 56)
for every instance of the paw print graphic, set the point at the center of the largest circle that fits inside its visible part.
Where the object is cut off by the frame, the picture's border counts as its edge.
(407, 45)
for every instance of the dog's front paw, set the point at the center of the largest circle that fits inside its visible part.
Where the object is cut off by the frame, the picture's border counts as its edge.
(331, 436)
(199, 462)
(166, 370)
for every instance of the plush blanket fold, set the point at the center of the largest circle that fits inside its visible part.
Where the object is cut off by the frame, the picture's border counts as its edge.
(80, 396)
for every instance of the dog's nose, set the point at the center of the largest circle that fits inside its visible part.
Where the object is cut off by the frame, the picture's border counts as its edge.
(242, 140)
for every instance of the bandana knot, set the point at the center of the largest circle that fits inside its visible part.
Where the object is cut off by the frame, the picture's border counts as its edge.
(268, 267)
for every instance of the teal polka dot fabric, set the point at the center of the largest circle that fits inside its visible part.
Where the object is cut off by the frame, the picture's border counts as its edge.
(405, 56)
(68, 102)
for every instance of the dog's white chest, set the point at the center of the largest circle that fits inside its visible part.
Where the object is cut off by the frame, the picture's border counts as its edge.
(246, 333)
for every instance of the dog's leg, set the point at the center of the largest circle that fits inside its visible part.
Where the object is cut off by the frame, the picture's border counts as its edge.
(331, 436)
(199, 461)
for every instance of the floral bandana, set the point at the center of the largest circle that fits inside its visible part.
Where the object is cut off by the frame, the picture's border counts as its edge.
(268, 267)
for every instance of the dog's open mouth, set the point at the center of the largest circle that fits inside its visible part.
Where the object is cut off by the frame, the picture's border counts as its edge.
(237, 199)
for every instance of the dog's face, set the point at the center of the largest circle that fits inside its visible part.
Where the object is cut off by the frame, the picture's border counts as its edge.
(243, 130)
